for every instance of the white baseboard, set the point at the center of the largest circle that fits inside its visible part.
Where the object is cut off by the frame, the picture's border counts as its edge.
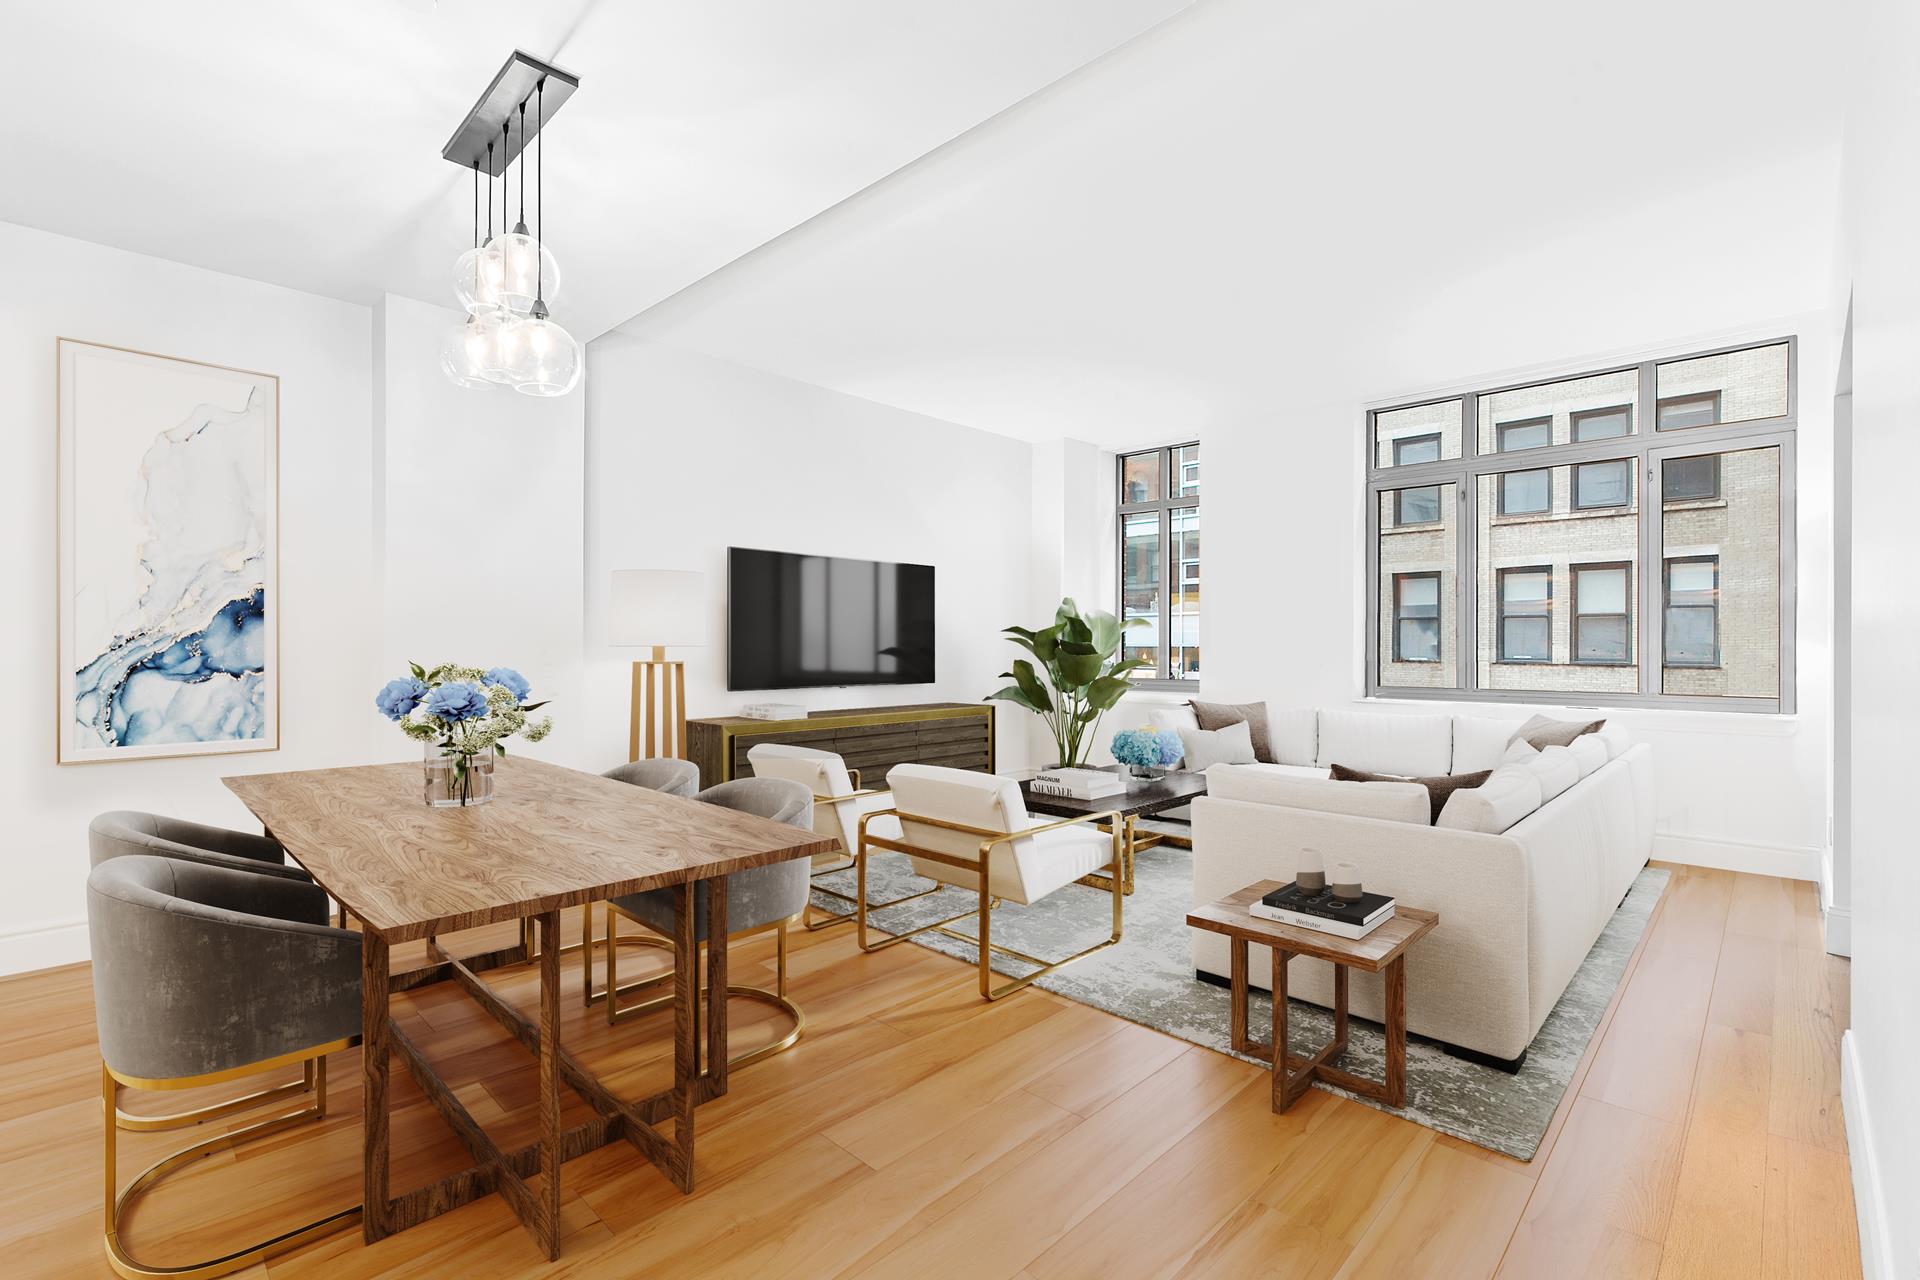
(1731, 855)
(43, 946)
(1837, 924)
(1869, 1201)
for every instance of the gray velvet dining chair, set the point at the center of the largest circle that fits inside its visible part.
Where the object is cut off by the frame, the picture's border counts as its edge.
(203, 975)
(759, 899)
(669, 777)
(125, 831)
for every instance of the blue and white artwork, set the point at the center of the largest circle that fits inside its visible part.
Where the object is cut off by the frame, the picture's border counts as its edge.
(169, 604)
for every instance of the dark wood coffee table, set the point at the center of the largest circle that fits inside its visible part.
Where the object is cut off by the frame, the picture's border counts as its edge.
(1144, 798)
(1383, 950)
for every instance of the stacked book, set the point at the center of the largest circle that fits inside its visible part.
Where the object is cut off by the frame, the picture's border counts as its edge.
(1325, 913)
(1078, 784)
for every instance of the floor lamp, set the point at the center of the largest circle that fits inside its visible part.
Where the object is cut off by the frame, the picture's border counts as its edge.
(656, 609)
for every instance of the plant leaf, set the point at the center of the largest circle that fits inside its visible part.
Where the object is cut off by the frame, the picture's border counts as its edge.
(1029, 682)
(1012, 693)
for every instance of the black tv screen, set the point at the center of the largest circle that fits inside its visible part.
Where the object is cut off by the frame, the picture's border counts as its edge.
(796, 621)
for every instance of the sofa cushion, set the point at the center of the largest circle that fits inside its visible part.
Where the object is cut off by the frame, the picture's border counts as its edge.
(1545, 731)
(1295, 736)
(1416, 746)
(1615, 735)
(1509, 794)
(1284, 785)
(1556, 770)
(1478, 742)
(1589, 752)
(1205, 748)
(1218, 715)
(1439, 788)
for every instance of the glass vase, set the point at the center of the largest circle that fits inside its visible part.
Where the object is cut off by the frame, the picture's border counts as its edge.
(454, 780)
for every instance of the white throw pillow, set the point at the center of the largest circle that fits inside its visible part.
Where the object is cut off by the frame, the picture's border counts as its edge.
(1589, 752)
(1208, 747)
(1412, 746)
(1479, 743)
(1556, 770)
(1508, 795)
(1519, 753)
(1615, 735)
(1294, 736)
(1273, 784)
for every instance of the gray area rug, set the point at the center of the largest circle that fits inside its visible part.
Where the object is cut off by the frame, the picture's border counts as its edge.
(1148, 979)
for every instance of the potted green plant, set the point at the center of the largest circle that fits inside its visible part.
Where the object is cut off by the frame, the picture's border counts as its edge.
(1085, 676)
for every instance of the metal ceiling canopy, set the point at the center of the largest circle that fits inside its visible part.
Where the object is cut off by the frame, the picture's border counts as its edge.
(484, 123)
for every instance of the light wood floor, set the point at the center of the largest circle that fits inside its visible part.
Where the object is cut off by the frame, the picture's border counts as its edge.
(917, 1131)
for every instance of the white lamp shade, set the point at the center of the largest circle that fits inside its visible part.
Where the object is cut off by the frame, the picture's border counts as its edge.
(657, 607)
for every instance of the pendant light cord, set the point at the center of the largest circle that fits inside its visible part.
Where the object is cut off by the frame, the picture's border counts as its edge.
(540, 187)
(475, 167)
(523, 165)
(489, 193)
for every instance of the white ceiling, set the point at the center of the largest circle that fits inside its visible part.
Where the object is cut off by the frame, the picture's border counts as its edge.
(1260, 206)
(300, 143)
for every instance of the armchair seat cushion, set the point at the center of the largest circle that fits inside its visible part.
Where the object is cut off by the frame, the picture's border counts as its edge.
(1024, 869)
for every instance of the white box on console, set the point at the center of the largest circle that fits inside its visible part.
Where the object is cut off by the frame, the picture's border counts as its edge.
(774, 711)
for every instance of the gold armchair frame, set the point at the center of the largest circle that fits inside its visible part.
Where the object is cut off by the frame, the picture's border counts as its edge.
(116, 1201)
(982, 868)
(814, 926)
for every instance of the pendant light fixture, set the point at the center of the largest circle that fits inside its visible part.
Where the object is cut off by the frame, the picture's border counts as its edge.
(505, 282)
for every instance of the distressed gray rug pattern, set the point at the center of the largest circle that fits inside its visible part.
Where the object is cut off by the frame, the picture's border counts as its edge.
(1148, 978)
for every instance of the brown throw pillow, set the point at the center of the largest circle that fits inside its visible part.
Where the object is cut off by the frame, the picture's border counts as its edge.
(1544, 731)
(1438, 789)
(1218, 715)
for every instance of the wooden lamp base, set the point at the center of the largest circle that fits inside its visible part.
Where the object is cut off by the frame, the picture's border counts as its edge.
(659, 704)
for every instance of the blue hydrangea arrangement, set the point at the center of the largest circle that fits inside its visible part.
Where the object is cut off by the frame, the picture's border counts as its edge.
(466, 711)
(1147, 747)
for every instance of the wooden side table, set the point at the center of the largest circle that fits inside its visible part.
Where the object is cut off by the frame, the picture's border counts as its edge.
(1383, 950)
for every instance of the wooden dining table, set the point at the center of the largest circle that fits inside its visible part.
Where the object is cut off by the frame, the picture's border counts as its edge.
(552, 838)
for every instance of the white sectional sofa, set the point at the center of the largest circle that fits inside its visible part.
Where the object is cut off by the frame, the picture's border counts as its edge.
(1525, 872)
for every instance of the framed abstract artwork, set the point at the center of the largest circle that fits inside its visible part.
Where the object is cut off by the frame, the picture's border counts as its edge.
(169, 611)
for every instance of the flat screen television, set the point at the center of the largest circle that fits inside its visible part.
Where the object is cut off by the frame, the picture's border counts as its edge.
(797, 621)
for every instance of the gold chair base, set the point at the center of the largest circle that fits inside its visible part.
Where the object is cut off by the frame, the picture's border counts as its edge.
(314, 1074)
(981, 869)
(776, 998)
(116, 1202)
(814, 926)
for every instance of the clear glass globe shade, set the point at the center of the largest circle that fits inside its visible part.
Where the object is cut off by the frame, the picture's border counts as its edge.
(528, 270)
(549, 359)
(478, 275)
(464, 349)
(505, 350)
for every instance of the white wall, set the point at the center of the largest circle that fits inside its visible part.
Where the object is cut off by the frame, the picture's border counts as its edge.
(481, 535)
(1881, 189)
(688, 455)
(320, 349)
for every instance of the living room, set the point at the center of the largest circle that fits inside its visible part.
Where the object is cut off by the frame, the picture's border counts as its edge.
(957, 313)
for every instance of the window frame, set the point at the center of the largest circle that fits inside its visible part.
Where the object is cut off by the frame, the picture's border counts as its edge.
(1439, 616)
(1500, 430)
(1577, 416)
(1645, 449)
(1573, 485)
(1717, 495)
(1718, 398)
(1500, 499)
(1172, 567)
(1578, 614)
(1400, 520)
(1501, 617)
(1666, 607)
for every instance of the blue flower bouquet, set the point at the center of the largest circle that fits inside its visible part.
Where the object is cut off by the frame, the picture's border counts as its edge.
(463, 716)
(1147, 749)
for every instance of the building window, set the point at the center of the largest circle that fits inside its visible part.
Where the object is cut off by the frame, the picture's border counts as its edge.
(1526, 614)
(1416, 617)
(1524, 493)
(1601, 424)
(1555, 581)
(1408, 450)
(1529, 433)
(1598, 485)
(1693, 612)
(1416, 506)
(1701, 409)
(1602, 613)
(1693, 479)
(1159, 515)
